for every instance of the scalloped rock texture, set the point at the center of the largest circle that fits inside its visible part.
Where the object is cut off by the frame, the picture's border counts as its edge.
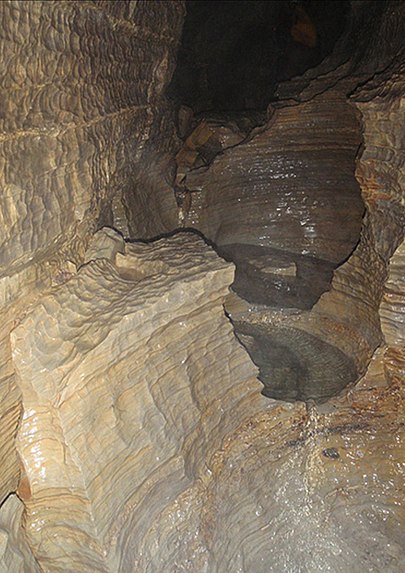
(144, 441)
(282, 186)
(336, 338)
(291, 189)
(132, 364)
(72, 124)
(73, 131)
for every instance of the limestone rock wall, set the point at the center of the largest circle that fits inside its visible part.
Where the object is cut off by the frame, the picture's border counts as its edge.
(328, 493)
(392, 306)
(81, 89)
(134, 379)
(382, 174)
(283, 202)
(144, 442)
(70, 111)
(290, 187)
(366, 297)
(325, 496)
(282, 199)
(15, 553)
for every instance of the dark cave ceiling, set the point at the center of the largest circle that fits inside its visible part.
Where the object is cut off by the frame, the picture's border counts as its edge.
(234, 52)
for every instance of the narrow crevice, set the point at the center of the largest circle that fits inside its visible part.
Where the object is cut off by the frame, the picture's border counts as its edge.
(234, 53)
(274, 192)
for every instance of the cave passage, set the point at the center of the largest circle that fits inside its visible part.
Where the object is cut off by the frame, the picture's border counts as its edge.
(273, 191)
(234, 52)
(135, 434)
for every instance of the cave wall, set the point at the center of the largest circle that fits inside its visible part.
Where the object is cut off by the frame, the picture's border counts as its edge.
(282, 188)
(284, 191)
(326, 493)
(381, 171)
(82, 106)
(364, 300)
(363, 310)
(145, 440)
(134, 382)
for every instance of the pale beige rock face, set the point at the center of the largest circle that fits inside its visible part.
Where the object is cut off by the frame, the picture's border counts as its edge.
(72, 132)
(392, 308)
(131, 377)
(15, 553)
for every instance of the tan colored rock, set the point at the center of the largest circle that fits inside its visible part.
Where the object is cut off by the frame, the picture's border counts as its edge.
(361, 284)
(144, 442)
(15, 553)
(328, 495)
(209, 138)
(392, 308)
(73, 129)
(129, 385)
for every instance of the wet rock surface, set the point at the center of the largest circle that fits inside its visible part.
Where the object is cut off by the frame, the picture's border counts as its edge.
(134, 434)
(316, 513)
(101, 437)
(291, 186)
(287, 368)
(275, 278)
(284, 206)
(73, 129)
(283, 203)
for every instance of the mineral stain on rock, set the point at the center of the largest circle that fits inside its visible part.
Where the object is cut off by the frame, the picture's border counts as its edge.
(331, 453)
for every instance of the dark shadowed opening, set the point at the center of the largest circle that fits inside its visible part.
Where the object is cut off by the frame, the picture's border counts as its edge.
(234, 52)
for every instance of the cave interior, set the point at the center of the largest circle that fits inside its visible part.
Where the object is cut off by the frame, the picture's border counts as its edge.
(232, 57)
(202, 286)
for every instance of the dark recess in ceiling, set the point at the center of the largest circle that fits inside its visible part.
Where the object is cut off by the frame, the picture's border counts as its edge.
(234, 52)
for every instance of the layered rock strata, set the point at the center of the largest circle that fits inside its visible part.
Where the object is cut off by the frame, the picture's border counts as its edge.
(360, 300)
(183, 465)
(15, 553)
(289, 190)
(73, 130)
(293, 229)
(144, 442)
(284, 205)
(131, 377)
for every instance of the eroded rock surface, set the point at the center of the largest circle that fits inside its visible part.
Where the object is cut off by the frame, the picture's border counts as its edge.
(15, 553)
(326, 496)
(144, 442)
(81, 86)
(247, 213)
(289, 188)
(133, 379)
(183, 465)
